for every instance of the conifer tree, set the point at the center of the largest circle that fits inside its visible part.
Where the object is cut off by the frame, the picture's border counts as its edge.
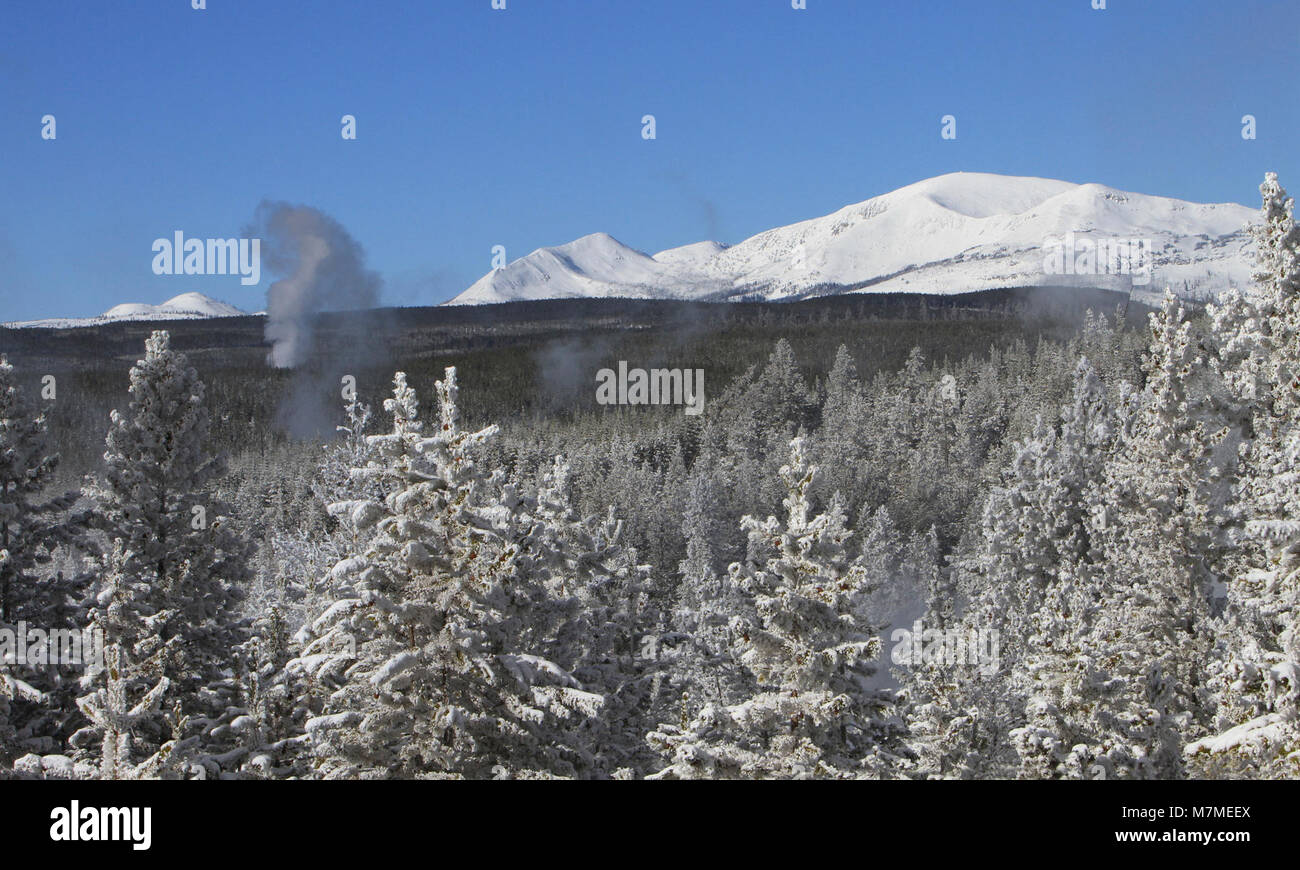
(129, 694)
(178, 570)
(429, 681)
(1256, 682)
(1119, 664)
(32, 526)
(710, 608)
(1032, 553)
(811, 652)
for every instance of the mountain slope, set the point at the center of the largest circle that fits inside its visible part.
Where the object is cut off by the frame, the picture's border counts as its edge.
(187, 306)
(954, 233)
(597, 265)
(690, 256)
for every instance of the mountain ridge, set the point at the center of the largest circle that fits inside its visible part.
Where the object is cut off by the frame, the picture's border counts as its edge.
(186, 306)
(959, 232)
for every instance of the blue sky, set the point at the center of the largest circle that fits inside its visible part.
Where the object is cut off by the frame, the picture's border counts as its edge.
(522, 127)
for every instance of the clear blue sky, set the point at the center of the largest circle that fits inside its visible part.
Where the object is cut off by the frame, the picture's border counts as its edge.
(522, 127)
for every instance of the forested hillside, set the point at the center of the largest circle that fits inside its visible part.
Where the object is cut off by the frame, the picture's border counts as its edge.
(1018, 534)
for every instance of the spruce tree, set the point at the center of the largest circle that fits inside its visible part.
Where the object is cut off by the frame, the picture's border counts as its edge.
(1256, 682)
(32, 526)
(168, 600)
(1032, 554)
(709, 608)
(421, 652)
(811, 652)
(1119, 663)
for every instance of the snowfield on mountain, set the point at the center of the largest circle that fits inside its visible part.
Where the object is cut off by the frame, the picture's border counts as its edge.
(187, 306)
(955, 233)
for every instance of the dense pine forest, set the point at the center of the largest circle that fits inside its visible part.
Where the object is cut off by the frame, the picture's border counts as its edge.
(1038, 534)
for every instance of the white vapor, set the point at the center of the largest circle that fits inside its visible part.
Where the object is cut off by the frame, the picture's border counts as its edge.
(323, 269)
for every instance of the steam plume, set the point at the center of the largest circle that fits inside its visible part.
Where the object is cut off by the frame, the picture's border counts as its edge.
(323, 269)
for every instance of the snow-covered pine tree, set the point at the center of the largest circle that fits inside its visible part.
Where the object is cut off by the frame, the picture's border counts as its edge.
(12, 689)
(185, 568)
(32, 525)
(594, 613)
(840, 447)
(1119, 672)
(278, 701)
(901, 398)
(115, 719)
(781, 394)
(944, 737)
(811, 652)
(334, 481)
(1257, 682)
(843, 390)
(1031, 547)
(1277, 260)
(1034, 533)
(290, 561)
(127, 691)
(709, 607)
(883, 553)
(426, 678)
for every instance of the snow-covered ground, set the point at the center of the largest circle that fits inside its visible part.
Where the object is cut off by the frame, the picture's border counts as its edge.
(954, 233)
(187, 306)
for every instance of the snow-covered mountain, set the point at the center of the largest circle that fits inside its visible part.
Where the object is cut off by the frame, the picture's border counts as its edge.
(955, 233)
(187, 306)
(598, 265)
(690, 256)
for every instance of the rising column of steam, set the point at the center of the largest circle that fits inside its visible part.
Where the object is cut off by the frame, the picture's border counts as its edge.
(323, 269)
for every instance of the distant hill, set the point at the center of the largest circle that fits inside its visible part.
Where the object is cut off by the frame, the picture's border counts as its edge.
(187, 306)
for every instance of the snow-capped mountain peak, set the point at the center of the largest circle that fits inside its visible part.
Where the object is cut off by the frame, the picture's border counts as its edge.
(186, 306)
(953, 233)
(593, 266)
(692, 256)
